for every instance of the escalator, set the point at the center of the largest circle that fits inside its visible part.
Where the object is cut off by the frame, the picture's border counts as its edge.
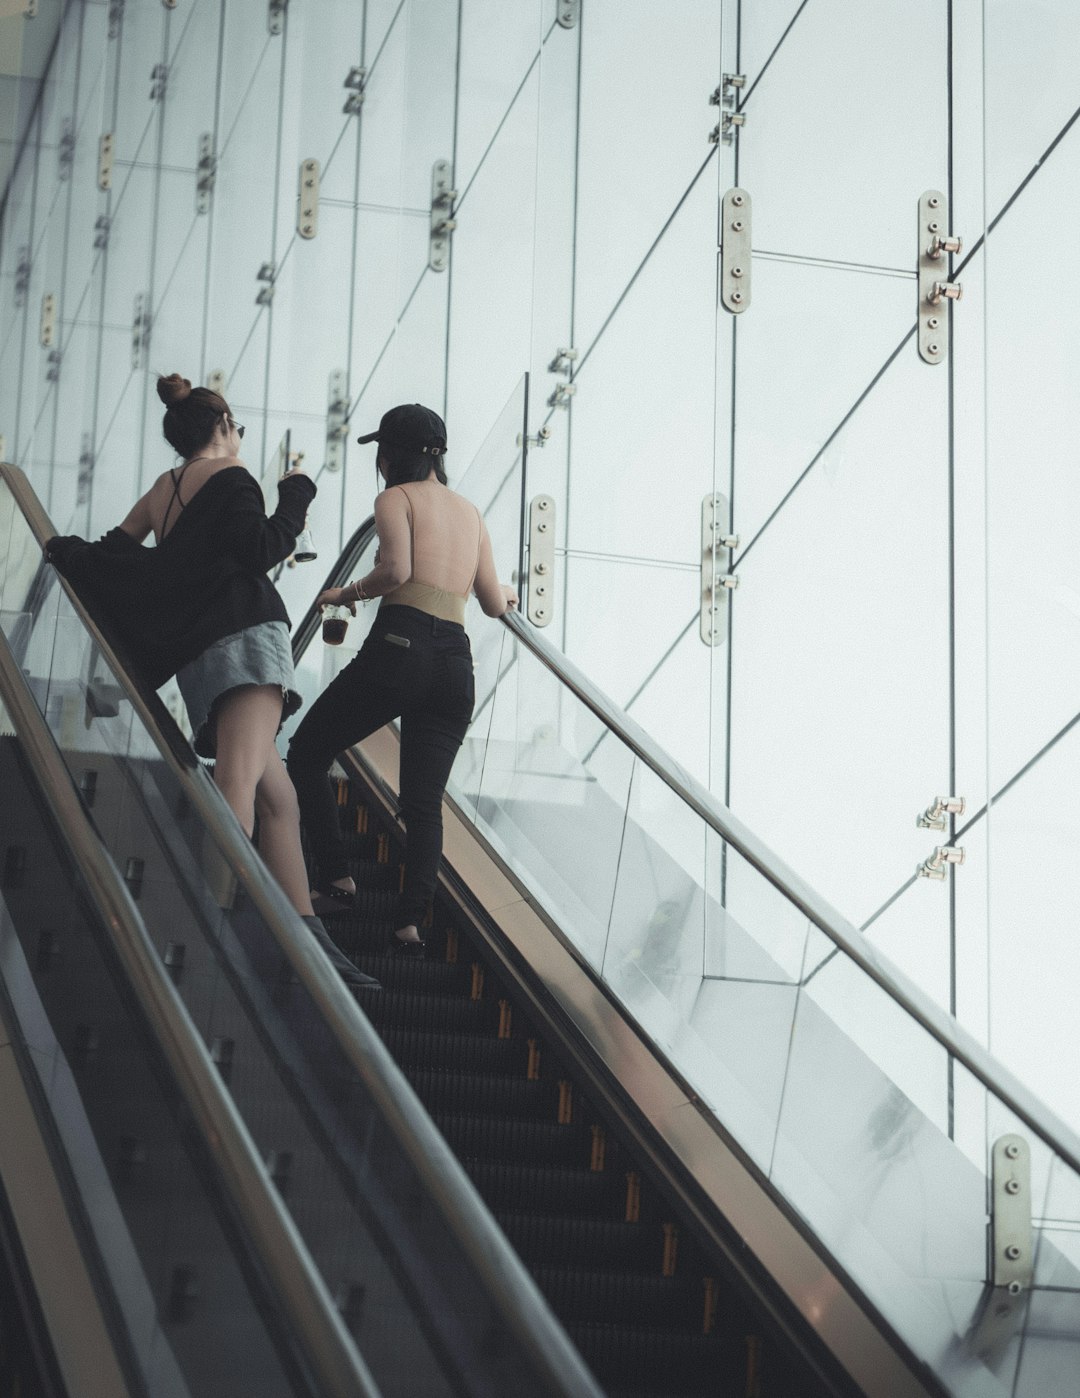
(257, 1201)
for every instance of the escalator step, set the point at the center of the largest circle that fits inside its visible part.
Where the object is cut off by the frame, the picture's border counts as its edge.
(649, 1359)
(467, 1053)
(442, 1090)
(546, 1189)
(623, 1298)
(550, 1240)
(400, 973)
(410, 1009)
(505, 1138)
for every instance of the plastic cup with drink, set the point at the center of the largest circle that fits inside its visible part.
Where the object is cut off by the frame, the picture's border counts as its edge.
(335, 622)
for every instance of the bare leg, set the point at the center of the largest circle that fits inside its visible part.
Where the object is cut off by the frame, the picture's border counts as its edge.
(247, 723)
(279, 833)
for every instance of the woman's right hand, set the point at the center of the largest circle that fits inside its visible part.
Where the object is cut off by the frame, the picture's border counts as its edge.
(336, 597)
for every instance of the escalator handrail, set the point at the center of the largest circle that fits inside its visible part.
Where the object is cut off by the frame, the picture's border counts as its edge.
(912, 1000)
(302, 1294)
(513, 1293)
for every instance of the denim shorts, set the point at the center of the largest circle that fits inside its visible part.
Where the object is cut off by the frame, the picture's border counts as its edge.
(257, 655)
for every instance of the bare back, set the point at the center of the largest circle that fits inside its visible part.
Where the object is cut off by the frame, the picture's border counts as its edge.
(446, 534)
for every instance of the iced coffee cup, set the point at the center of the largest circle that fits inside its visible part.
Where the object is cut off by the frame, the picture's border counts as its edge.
(335, 622)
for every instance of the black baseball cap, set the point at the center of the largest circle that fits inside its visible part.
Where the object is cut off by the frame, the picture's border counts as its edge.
(413, 426)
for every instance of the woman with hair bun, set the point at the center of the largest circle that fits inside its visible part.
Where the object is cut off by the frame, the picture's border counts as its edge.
(201, 607)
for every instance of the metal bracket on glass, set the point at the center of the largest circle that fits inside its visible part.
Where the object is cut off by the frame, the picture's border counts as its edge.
(735, 251)
(307, 213)
(65, 152)
(443, 195)
(102, 225)
(86, 470)
(936, 866)
(159, 81)
(30, 9)
(540, 594)
(169, 4)
(934, 286)
(1011, 1240)
(48, 319)
(541, 438)
(205, 170)
(560, 398)
(116, 17)
(933, 818)
(275, 19)
(569, 12)
(215, 381)
(714, 574)
(140, 332)
(266, 274)
(105, 161)
(22, 275)
(52, 368)
(563, 361)
(337, 424)
(356, 83)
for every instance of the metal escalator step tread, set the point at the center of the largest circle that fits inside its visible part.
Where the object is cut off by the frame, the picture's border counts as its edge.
(618, 1297)
(506, 1138)
(444, 1091)
(692, 1365)
(399, 973)
(467, 1052)
(546, 1189)
(543, 1240)
(411, 1009)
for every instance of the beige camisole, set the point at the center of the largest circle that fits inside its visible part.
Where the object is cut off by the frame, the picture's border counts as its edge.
(424, 596)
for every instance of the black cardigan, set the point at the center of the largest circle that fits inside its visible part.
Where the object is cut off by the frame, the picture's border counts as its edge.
(205, 580)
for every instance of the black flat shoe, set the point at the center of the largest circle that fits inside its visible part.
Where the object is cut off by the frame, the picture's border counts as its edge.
(327, 901)
(416, 950)
(352, 975)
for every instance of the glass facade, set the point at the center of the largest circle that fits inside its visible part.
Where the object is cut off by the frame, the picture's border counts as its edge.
(906, 620)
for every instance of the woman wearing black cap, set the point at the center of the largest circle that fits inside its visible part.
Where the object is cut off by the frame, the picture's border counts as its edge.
(415, 665)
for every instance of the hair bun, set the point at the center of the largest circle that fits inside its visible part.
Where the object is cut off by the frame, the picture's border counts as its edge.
(173, 389)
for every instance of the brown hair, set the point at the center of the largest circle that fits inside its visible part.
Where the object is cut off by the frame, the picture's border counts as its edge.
(191, 414)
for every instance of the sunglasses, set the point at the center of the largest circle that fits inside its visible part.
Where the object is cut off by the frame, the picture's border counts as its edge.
(239, 426)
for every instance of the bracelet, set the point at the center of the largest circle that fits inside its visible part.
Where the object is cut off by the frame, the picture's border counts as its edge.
(358, 590)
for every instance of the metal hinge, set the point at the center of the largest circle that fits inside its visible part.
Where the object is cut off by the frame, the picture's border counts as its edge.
(933, 818)
(735, 250)
(52, 366)
(86, 470)
(563, 362)
(540, 597)
(1012, 1246)
(934, 284)
(266, 274)
(356, 83)
(48, 319)
(337, 420)
(116, 17)
(159, 81)
(569, 12)
(307, 212)
(712, 623)
(442, 225)
(140, 332)
(65, 152)
(275, 18)
(562, 394)
(936, 866)
(105, 161)
(543, 435)
(22, 275)
(726, 96)
(206, 170)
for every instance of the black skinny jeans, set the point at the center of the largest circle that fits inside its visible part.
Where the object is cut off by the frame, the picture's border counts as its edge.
(414, 667)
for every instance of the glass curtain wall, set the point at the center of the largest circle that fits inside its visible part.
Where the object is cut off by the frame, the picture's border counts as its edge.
(536, 189)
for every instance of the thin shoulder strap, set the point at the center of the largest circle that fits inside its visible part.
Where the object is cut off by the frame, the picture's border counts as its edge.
(412, 519)
(479, 545)
(175, 496)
